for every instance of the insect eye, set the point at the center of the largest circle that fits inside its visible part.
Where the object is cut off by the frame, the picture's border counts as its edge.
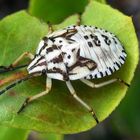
(52, 39)
(45, 39)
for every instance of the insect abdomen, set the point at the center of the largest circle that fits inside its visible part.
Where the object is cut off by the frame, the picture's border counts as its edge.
(102, 47)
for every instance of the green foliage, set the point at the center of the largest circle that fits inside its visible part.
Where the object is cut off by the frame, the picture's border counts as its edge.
(101, 1)
(13, 133)
(50, 136)
(58, 112)
(56, 10)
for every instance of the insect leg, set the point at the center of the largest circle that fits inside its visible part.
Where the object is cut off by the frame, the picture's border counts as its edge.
(32, 98)
(72, 91)
(15, 83)
(79, 19)
(16, 62)
(21, 57)
(50, 27)
(89, 83)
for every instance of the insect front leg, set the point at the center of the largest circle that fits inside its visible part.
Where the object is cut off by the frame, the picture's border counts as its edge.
(89, 83)
(32, 98)
(16, 62)
(21, 57)
(72, 91)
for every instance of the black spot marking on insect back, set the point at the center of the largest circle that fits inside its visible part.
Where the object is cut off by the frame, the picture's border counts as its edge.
(49, 50)
(58, 59)
(122, 58)
(73, 50)
(106, 39)
(101, 74)
(114, 40)
(123, 51)
(110, 70)
(95, 75)
(121, 62)
(114, 68)
(52, 48)
(106, 73)
(86, 37)
(90, 44)
(91, 36)
(118, 64)
(69, 56)
(91, 77)
(96, 41)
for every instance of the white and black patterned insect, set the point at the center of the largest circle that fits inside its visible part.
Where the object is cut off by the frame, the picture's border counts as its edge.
(78, 52)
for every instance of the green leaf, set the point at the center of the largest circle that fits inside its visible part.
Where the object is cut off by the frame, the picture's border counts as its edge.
(56, 11)
(50, 136)
(13, 133)
(101, 1)
(58, 112)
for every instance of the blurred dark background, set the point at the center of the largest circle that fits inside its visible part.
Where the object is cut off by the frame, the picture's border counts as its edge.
(131, 8)
(10, 6)
(124, 123)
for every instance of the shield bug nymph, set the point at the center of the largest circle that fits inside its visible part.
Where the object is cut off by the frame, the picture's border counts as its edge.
(76, 52)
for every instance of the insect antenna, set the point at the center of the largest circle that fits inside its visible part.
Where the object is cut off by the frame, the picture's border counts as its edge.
(4, 69)
(17, 82)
